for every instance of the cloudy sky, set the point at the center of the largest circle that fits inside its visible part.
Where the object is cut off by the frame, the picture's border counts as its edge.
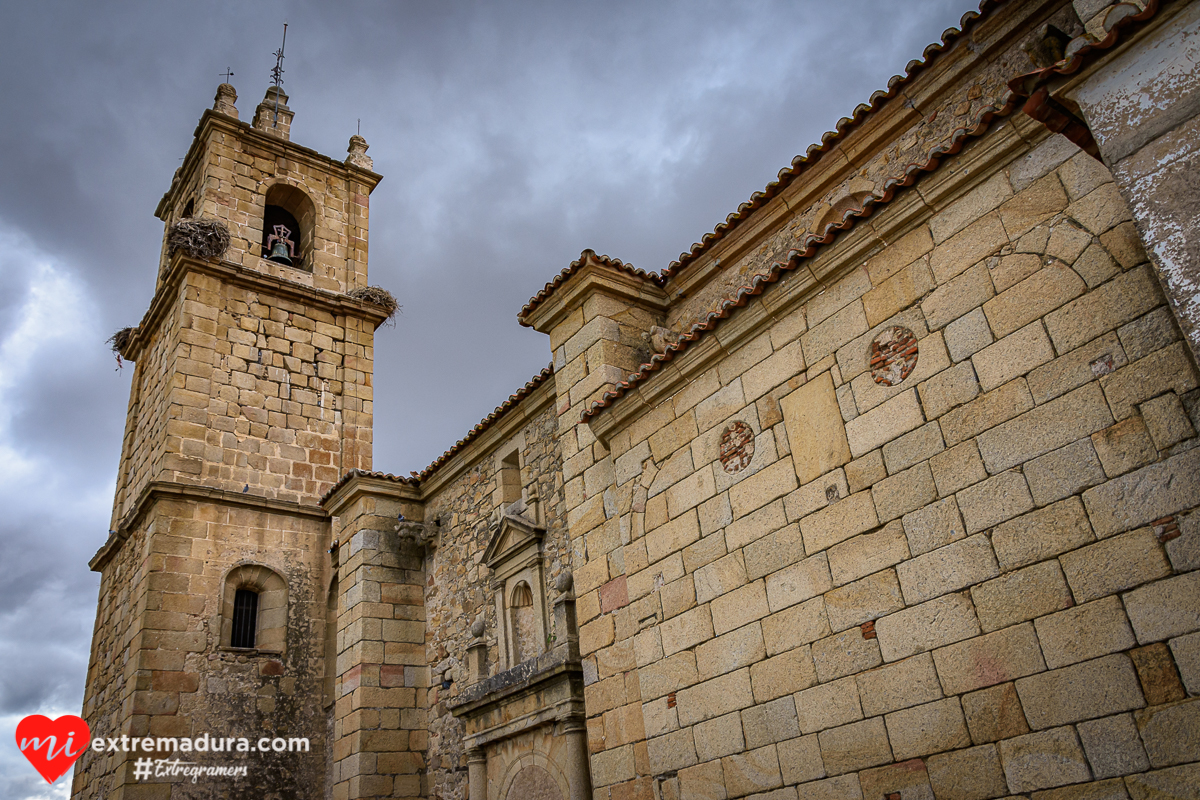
(511, 135)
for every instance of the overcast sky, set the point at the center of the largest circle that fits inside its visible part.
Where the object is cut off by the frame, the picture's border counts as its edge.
(511, 136)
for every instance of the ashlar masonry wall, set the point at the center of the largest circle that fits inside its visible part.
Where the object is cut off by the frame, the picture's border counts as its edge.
(930, 527)
(459, 590)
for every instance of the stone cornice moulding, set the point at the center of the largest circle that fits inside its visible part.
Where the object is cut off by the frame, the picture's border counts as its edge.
(157, 490)
(594, 277)
(953, 178)
(359, 486)
(238, 275)
(213, 121)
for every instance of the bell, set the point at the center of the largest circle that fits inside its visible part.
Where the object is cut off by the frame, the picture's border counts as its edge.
(279, 252)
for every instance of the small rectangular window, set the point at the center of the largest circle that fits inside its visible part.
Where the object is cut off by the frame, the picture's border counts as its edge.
(245, 618)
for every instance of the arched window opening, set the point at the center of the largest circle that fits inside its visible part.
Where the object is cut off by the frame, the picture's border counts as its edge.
(525, 644)
(189, 210)
(245, 618)
(510, 478)
(254, 609)
(287, 233)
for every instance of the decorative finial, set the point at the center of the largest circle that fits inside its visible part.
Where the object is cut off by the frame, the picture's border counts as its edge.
(223, 103)
(477, 628)
(358, 153)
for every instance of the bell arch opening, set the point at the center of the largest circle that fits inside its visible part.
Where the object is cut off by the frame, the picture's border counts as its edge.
(289, 217)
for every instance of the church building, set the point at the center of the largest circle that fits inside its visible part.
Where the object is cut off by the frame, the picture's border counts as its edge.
(886, 489)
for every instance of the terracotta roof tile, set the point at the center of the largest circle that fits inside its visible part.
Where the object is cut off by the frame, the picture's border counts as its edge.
(415, 478)
(787, 175)
(575, 266)
(491, 419)
(812, 244)
(844, 126)
(1083, 49)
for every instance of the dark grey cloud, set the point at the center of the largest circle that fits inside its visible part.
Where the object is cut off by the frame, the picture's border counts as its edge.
(511, 136)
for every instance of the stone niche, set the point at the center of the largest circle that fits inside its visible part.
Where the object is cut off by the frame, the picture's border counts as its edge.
(525, 731)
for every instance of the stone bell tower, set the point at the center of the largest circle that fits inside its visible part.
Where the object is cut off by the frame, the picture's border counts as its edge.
(251, 396)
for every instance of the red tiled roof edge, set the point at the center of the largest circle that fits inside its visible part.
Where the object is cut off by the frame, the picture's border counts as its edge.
(414, 478)
(362, 473)
(830, 138)
(488, 421)
(812, 244)
(786, 175)
(574, 267)
(1025, 85)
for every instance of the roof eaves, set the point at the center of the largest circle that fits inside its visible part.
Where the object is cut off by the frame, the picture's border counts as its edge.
(1084, 49)
(812, 245)
(843, 127)
(575, 266)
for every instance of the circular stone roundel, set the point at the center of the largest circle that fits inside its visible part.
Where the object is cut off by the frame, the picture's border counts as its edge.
(893, 355)
(737, 447)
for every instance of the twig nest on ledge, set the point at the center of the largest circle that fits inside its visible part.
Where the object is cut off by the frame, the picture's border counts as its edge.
(377, 296)
(199, 238)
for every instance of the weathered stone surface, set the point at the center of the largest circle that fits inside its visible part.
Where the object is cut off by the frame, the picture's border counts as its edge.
(795, 626)
(972, 774)
(957, 468)
(990, 659)
(1113, 565)
(1043, 760)
(949, 389)
(900, 685)
(844, 653)
(1164, 784)
(993, 501)
(771, 722)
(935, 525)
(954, 299)
(1032, 298)
(1076, 368)
(1163, 370)
(798, 582)
(1113, 746)
(1014, 355)
(866, 599)
(1166, 420)
(1124, 447)
(1051, 698)
(904, 492)
(1103, 309)
(913, 448)
(1045, 428)
(947, 569)
(1021, 596)
(938, 622)
(1088, 631)
(880, 425)
(968, 335)
(994, 713)
(1165, 608)
(838, 522)
(1063, 472)
(855, 746)
(1145, 495)
(764, 556)
(968, 247)
(800, 760)
(986, 411)
(828, 705)
(1171, 732)
(868, 553)
(931, 728)
(814, 427)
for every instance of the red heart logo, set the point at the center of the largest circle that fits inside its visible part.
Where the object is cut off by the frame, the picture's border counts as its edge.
(52, 745)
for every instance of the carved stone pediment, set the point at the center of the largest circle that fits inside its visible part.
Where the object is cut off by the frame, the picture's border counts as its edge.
(513, 540)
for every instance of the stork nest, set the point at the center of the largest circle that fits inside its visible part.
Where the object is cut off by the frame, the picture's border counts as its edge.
(377, 297)
(119, 341)
(199, 238)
